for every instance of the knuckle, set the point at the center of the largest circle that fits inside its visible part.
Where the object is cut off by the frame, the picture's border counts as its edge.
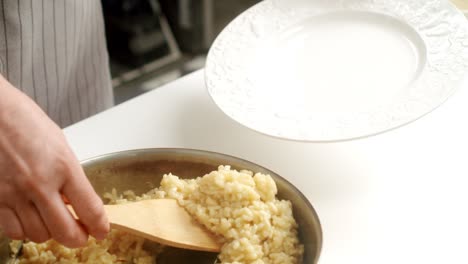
(32, 187)
(21, 167)
(26, 182)
(64, 162)
(62, 165)
(30, 183)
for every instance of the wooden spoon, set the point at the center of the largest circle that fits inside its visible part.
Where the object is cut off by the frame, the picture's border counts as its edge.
(162, 221)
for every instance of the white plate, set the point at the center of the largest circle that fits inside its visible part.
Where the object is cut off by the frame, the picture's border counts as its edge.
(329, 70)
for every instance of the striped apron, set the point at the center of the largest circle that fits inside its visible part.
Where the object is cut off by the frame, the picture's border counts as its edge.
(55, 52)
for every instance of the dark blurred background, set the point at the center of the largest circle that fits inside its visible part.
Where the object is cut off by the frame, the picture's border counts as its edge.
(152, 42)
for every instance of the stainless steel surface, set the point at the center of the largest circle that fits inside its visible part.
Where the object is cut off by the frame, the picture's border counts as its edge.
(142, 170)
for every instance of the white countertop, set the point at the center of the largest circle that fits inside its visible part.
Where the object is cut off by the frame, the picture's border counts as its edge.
(398, 197)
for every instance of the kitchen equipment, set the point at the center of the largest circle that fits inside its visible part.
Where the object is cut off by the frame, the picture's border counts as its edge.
(162, 221)
(142, 170)
(139, 39)
(322, 71)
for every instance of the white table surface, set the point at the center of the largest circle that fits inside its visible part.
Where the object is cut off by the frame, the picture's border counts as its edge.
(398, 197)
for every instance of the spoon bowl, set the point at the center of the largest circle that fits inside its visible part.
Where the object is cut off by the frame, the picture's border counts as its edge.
(163, 221)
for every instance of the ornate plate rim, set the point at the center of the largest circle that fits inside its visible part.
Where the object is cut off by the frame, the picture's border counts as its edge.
(439, 23)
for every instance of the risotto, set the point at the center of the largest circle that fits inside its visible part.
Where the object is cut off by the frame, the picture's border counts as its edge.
(239, 206)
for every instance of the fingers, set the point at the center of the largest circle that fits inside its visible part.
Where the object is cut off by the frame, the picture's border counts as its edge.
(88, 207)
(31, 221)
(10, 224)
(60, 223)
(87, 204)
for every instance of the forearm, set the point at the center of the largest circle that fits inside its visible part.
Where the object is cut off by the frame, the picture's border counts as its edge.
(11, 98)
(7, 93)
(15, 106)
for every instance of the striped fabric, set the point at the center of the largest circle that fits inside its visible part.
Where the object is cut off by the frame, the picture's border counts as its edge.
(55, 52)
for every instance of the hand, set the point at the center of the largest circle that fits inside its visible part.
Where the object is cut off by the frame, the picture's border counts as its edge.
(37, 169)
